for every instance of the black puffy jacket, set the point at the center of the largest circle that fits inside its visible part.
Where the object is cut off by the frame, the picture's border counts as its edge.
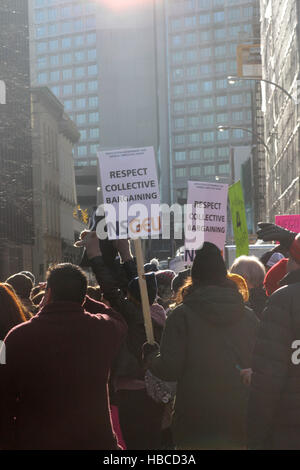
(274, 404)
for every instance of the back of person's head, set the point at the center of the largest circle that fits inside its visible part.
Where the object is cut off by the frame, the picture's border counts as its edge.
(21, 284)
(11, 310)
(251, 269)
(35, 291)
(164, 283)
(94, 293)
(30, 275)
(36, 300)
(179, 280)
(134, 288)
(209, 266)
(152, 266)
(67, 282)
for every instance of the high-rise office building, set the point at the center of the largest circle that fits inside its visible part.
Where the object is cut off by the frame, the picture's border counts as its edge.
(64, 57)
(16, 202)
(107, 65)
(280, 30)
(202, 52)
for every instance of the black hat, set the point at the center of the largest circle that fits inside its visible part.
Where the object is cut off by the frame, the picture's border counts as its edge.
(209, 266)
(134, 288)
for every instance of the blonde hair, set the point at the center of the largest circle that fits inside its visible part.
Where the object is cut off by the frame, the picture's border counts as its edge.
(250, 268)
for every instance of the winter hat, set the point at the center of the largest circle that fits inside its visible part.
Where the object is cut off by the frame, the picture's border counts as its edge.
(209, 265)
(29, 274)
(22, 285)
(180, 279)
(274, 276)
(134, 288)
(150, 268)
(274, 259)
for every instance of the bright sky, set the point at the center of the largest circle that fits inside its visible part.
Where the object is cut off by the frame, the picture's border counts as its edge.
(119, 5)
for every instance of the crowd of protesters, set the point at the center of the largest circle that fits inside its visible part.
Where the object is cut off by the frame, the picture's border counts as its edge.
(79, 373)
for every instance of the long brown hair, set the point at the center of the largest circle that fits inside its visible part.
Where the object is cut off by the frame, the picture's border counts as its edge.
(191, 285)
(11, 310)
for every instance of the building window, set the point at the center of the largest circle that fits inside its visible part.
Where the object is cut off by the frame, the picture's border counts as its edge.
(204, 19)
(41, 62)
(93, 101)
(79, 72)
(80, 103)
(219, 16)
(80, 88)
(237, 116)
(92, 54)
(93, 85)
(237, 133)
(220, 33)
(205, 52)
(42, 77)
(205, 68)
(68, 105)
(180, 172)
(79, 56)
(178, 89)
(207, 86)
(53, 45)
(178, 106)
(222, 118)
(179, 139)
(193, 105)
(67, 74)
(223, 153)
(191, 55)
(221, 84)
(40, 31)
(190, 21)
(207, 102)
(178, 123)
(177, 74)
(190, 38)
(237, 99)
(192, 88)
(94, 133)
(67, 90)
(41, 46)
(180, 156)
(195, 171)
(67, 59)
(176, 24)
(91, 38)
(79, 41)
(224, 169)
(82, 150)
(194, 138)
(54, 60)
(194, 121)
(204, 36)
(94, 149)
(177, 57)
(224, 135)
(209, 170)
(55, 90)
(208, 154)
(221, 100)
(220, 51)
(66, 43)
(208, 136)
(221, 67)
(192, 72)
(94, 117)
(81, 119)
(208, 119)
(92, 70)
(195, 154)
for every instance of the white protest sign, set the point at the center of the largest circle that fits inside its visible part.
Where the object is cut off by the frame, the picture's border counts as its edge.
(130, 190)
(206, 216)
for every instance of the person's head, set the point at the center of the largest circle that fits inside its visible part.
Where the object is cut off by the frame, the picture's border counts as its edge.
(66, 283)
(209, 266)
(152, 267)
(251, 269)
(179, 280)
(36, 300)
(270, 258)
(30, 275)
(94, 293)
(292, 265)
(164, 283)
(11, 310)
(133, 289)
(21, 284)
(35, 291)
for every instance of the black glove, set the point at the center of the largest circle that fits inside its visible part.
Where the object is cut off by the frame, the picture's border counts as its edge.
(148, 351)
(269, 232)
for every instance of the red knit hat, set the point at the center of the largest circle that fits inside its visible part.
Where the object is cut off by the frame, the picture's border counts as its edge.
(274, 276)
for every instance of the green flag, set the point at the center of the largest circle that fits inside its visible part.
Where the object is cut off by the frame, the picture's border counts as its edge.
(239, 221)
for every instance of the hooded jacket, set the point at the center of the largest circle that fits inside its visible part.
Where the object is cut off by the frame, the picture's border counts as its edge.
(206, 341)
(274, 404)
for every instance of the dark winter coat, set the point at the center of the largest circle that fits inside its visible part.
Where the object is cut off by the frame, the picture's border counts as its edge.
(257, 300)
(55, 380)
(274, 404)
(206, 341)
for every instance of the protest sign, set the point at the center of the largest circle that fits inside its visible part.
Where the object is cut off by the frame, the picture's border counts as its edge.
(130, 190)
(290, 222)
(206, 216)
(239, 221)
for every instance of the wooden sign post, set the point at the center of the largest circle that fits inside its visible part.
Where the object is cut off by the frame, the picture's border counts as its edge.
(143, 290)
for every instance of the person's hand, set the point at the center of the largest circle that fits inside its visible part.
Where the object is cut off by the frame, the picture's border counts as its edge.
(123, 247)
(269, 232)
(246, 375)
(90, 241)
(148, 351)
